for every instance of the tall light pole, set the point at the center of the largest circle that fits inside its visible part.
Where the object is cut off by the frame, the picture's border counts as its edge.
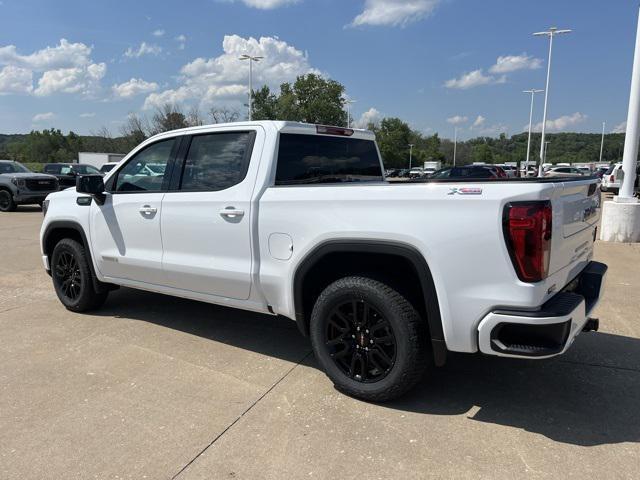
(410, 154)
(455, 143)
(348, 103)
(251, 60)
(552, 32)
(533, 92)
(546, 147)
(602, 141)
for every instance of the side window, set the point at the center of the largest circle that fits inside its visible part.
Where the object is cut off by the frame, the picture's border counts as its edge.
(65, 170)
(217, 161)
(53, 169)
(145, 172)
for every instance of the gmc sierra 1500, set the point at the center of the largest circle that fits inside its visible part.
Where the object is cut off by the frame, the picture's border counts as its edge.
(297, 220)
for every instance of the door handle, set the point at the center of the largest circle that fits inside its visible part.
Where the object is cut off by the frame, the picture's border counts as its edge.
(148, 210)
(231, 212)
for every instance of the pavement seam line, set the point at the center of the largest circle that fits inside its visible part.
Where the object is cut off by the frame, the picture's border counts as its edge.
(612, 367)
(247, 410)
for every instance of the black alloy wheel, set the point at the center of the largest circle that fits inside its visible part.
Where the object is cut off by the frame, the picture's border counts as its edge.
(360, 341)
(6, 201)
(68, 276)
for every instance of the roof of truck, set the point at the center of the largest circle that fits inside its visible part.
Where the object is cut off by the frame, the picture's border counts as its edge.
(281, 126)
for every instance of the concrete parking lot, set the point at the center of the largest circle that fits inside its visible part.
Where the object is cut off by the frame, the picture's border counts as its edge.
(157, 387)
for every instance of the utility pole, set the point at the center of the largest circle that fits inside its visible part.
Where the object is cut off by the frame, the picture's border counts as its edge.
(455, 144)
(552, 32)
(348, 103)
(251, 60)
(533, 92)
(410, 154)
(621, 216)
(602, 141)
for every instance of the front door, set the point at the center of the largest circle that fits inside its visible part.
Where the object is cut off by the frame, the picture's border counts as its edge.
(125, 230)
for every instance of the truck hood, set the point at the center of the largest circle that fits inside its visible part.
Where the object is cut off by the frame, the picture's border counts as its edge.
(42, 176)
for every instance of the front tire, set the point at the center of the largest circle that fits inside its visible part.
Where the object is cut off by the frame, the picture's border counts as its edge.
(369, 339)
(7, 204)
(73, 279)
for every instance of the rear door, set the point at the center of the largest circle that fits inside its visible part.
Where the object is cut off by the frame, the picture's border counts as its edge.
(206, 222)
(125, 230)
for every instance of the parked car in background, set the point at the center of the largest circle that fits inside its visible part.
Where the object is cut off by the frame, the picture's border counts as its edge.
(428, 171)
(403, 173)
(612, 178)
(416, 172)
(20, 186)
(470, 171)
(391, 173)
(510, 170)
(107, 167)
(564, 172)
(66, 173)
(600, 171)
(269, 217)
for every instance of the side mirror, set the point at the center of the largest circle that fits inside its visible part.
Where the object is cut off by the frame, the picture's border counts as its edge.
(92, 185)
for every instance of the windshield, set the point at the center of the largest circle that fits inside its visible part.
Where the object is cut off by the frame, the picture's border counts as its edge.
(13, 167)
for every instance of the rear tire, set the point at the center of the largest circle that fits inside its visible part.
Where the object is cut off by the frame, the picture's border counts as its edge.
(369, 339)
(7, 204)
(73, 279)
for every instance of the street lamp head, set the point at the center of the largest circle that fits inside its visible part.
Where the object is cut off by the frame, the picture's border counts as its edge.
(534, 90)
(250, 57)
(552, 31)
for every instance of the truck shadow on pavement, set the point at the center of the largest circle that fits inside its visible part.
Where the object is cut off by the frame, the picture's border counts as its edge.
(588, 397)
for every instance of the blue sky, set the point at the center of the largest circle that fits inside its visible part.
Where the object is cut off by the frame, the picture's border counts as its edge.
(79, 65)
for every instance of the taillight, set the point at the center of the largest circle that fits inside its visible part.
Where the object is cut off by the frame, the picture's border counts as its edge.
(527, 230)
(612, 178)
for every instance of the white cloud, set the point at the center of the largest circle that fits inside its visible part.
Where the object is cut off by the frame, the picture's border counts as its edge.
(133, 87)
(144, 49)
(87, 115)
(82, 80)
(43, 117)
(457, 120)
(182, 40)
(15, 80)
(561, 123)
(158, 33)
(394, 12)
(67, 67)
(478, 122)
(512, 63)
(370, 116)
(620, 128)
(64, 55)
(268, 4)
(226, 78)
(473, 79)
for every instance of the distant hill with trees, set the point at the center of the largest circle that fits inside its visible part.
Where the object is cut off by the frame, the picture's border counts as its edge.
(314, 99)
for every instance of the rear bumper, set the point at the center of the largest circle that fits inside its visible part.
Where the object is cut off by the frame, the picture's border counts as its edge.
(548, 330)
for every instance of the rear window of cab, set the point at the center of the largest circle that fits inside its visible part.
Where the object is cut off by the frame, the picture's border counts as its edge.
(318, 159)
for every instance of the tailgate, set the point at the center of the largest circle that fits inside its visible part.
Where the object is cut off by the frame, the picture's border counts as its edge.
(576, 210)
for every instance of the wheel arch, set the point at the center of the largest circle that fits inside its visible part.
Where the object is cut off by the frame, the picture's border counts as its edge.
(408, 255)
(59, 229)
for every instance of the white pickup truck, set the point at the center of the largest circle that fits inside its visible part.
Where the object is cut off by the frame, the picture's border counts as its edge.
(297, 220)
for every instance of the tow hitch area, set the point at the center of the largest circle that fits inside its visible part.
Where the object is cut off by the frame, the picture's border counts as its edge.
(592, 325)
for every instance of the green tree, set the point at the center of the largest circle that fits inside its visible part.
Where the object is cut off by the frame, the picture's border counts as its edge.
(311, 99)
